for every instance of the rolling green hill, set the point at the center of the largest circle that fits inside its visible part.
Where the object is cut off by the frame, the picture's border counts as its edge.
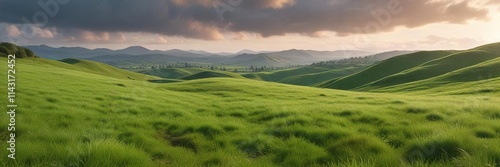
(433, 68)
(478, 79)
(107, 70)
(212, 74)
(492, 48)
(188, 73)
(314, 79)
(386, 68)
(291, 57)
(306, 76)
(258, 59)
(420, 74)
(276, 76)
(173, 73)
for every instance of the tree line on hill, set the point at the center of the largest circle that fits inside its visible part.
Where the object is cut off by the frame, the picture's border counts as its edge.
(12, 49)
(213, 67)
(358, 61)
(361, 61)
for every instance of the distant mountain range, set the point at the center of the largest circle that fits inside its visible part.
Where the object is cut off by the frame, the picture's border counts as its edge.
(140, 55)
(292, 57)
(84, 53)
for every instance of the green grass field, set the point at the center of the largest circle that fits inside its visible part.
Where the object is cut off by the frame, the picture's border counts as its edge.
(80, 113)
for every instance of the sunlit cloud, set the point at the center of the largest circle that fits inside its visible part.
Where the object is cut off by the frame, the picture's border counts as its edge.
(12, 31)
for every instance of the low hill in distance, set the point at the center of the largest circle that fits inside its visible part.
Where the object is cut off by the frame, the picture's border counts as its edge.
(323, 71)
(291, 57)
(138, 56)
(106, 70)
(172, 73)
(360, 61)
(211, 74)
(84, 53)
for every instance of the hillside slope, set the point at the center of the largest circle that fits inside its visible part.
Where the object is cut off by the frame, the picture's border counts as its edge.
(107, 70)
(262, 59)
(315, 79)
(276, 76)
(385, 68)
(478, 79)
(492, 48)
(291, 57)
(306, 76)
(433, 68)
(172, 73)
(212, 74)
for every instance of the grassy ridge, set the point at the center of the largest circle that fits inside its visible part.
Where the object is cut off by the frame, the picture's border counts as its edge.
(189, 73)
(212, 74)
(281, 74)
(492, 48)
(315, 79)
(105, 70)
(173, 73)
(478, 79)
(385, 68)
(433, 68)
(69, 116)
(307, 76)
(400, 72)
(258, 59)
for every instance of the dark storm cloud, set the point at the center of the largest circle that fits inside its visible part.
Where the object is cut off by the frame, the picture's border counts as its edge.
(199, 19)
(349, 17)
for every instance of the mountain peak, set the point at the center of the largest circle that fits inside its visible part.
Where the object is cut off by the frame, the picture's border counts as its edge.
(136, 48)
(247, 51)
(176, 50)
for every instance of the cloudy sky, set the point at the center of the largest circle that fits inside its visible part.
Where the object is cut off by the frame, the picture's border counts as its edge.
(233, 25)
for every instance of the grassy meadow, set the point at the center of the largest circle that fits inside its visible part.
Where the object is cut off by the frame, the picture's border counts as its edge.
(73, 113)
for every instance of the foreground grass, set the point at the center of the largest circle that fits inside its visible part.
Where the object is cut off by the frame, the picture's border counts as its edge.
(69, 117)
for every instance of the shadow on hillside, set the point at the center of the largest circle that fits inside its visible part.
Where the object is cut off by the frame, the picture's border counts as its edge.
(163, 81)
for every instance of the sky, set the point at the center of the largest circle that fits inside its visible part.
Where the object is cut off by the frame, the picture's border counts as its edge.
(259, 25)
